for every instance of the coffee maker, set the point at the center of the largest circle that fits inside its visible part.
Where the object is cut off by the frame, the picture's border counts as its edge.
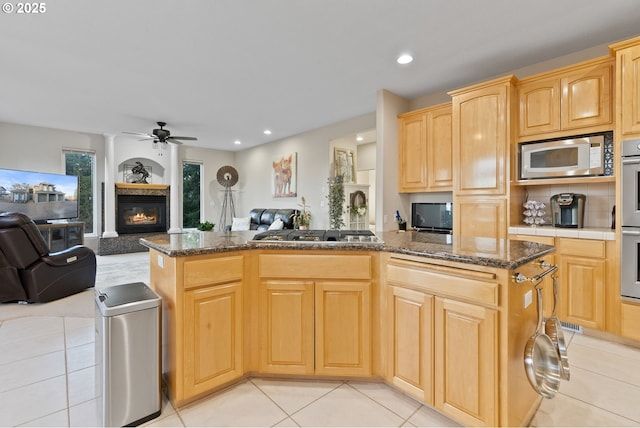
(567, 210)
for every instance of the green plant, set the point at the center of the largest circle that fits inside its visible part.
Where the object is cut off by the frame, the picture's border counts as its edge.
(303, 217)
(206, 226)
(336, 201)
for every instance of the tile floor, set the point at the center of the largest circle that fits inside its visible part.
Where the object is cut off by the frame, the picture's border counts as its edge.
(47, 379)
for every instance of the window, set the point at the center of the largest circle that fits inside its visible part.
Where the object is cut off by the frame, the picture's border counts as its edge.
(82, 164)
(191, 194)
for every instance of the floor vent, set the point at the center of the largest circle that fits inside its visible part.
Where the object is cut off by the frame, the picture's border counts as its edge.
(571, 327)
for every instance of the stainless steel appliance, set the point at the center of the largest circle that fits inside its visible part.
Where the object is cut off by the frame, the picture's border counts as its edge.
(127, 354)
(630, 259)
(567, 210)
(584, 155)
(318, 237)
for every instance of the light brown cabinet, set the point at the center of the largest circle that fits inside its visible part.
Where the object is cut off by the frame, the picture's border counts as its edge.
(444, 335)
(576, 98)
(581, 264)
(316, 318)
(213, 340)
(466, 350)
(410, 350)
(425, 150)
(628, 86)
(481, 153)
(202, 315)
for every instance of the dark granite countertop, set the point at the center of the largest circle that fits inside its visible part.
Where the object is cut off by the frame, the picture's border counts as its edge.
(499, 253)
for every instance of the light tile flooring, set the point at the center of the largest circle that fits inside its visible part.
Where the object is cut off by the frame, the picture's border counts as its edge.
(47, 378)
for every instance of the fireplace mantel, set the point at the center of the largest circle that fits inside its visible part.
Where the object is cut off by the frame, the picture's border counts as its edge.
(142, 186)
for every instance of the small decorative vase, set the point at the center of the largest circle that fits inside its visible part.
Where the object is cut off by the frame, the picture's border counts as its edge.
(304, 227)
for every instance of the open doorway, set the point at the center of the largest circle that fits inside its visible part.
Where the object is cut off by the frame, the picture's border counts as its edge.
(354, 157)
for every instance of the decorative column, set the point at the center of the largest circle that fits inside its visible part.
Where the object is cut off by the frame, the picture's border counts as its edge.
(109, 187)
(174, 191)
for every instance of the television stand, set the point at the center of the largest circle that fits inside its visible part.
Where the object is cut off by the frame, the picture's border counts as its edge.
(60, 236)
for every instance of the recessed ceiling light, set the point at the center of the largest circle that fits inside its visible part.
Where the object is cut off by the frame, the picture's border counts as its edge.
(267, 132)
(359, 138)
(404, 59)
(237, 142)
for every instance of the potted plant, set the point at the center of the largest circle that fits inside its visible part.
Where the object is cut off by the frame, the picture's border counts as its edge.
(206, 226)
(302, 219)
(336, 201)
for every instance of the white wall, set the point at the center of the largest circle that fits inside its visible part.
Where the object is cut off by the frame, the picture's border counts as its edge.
(255, 168)
(388, 200)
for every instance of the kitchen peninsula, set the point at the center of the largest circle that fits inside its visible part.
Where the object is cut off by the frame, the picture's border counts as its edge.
(437, 316)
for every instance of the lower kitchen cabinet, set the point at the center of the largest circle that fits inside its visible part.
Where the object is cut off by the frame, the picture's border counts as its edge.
(581, 276)
(202, 317)
(213, 338)
(466, 356)
(456, 336)
(316, 327)
(410, 349)
(287, 327)
(315, 314)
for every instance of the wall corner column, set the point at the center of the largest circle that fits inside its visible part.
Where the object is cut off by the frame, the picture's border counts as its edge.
(174, 191)
(109, 187)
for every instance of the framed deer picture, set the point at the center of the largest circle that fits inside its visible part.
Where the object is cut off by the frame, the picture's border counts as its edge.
(284, 176)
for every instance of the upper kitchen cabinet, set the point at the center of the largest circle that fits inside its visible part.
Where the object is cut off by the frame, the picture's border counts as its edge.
(628, 86)
(573, 98)
(481, 137)
(425, 150)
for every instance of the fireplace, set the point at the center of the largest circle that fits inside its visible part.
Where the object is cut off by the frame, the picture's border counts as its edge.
(141, 214)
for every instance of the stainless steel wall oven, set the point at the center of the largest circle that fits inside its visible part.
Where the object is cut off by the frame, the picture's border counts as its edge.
(630, 214)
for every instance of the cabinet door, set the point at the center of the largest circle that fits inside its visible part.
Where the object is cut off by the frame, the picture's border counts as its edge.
(212, 337)
(440, 149)
(539, 106)
(343, 328)
(582, 290)
(629, 90)
(466, 361)
(480, 217)
(287, 327)
(587, 97)
(481, 141)
(412, 153)
(411, 342)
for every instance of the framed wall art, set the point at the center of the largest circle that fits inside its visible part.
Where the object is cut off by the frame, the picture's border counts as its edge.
(284, 176)
(344, 165)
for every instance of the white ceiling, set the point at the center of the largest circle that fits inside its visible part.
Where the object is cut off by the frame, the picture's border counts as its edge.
(222, 70)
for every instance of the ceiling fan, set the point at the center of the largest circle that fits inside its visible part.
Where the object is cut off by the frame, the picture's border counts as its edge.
(161, 135)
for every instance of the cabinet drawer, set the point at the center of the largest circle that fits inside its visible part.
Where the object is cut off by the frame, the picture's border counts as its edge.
(314, 266)
(212, 271)
(443, 281)
(581, 247)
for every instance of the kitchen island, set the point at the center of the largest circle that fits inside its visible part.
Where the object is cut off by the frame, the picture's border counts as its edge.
(439, 317)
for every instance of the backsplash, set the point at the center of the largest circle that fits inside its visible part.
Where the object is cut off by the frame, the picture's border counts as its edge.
(600, 200)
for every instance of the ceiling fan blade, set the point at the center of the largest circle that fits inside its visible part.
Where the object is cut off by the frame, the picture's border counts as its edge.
(147, 138)
(173, 140)
(139, 134)
(184, 138)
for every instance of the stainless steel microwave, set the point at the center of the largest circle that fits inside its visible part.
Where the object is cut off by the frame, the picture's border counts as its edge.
(586, 155)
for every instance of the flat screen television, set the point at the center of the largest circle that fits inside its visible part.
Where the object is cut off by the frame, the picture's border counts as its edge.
(432, 216)
(41, 196)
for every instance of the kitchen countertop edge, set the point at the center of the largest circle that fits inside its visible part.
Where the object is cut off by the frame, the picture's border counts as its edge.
(199, 243)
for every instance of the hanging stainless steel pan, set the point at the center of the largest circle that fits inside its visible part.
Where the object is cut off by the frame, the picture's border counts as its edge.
(553, 329)
(541, 360)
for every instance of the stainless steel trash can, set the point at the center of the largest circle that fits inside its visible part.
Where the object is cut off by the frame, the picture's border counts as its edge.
(127, 354)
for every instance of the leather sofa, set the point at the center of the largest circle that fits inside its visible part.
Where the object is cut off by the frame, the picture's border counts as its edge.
(261, 218)
(29, 272)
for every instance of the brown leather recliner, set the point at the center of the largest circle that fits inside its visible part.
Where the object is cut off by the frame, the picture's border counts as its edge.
(43, 276)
